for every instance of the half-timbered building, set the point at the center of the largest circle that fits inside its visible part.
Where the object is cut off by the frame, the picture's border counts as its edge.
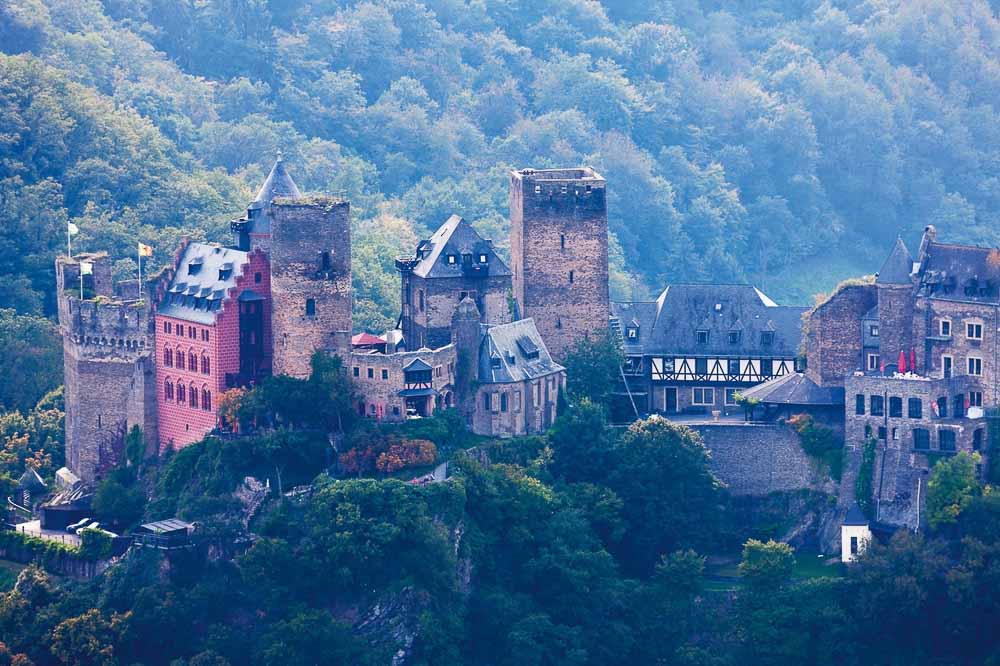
(698, 345)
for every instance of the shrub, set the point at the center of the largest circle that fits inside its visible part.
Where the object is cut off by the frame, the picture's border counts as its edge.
(408, 453)
(819, 443)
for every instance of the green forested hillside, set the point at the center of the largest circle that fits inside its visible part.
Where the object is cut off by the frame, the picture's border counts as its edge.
(741, 140)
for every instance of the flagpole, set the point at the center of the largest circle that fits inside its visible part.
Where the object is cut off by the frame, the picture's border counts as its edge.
(69, 243)
(139, 251)
(81, 281)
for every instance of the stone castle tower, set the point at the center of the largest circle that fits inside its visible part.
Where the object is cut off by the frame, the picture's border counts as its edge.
(559, 253)
(310, 252)
(109, 375)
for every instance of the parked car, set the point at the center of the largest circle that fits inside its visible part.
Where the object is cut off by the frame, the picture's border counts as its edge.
(92, 526)
(77, 525)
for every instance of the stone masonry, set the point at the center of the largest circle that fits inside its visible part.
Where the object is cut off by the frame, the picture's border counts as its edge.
(109, 376)
(310, 280)
(559, 253)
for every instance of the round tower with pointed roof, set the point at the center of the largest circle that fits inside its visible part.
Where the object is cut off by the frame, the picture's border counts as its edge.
(254, 228)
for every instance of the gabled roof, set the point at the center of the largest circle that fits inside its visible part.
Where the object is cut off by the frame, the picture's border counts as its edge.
(520, 350)
(416, 365)
(455, 237)
(670, 324)
(795, 388)
(197, 290)
(277, 184)
(897, 267)
(363, 339)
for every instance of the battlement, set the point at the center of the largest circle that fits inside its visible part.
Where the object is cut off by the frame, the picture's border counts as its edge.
(584, 174)
(109, 320)
(326, 201)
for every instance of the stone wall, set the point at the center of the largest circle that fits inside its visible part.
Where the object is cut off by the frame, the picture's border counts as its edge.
(107, 370)
(901, 470)
(310, 262)
(517, 408)
(760, 458)
(833, 334)
(377, 392)
(559, 253)
(895, 322)
(430, 325)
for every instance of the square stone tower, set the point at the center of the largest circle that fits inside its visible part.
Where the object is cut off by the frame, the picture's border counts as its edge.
(559, 253)
(310, 280)
(109, 375)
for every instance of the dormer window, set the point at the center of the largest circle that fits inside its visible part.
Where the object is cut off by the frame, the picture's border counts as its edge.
(466, 258)
(734, 337)
(482, 258)
(495, 361)
(632, 332)
(224, 274)
(873, 330)
(194, 267)
(703, 337)
(452, 260)
(767, 338)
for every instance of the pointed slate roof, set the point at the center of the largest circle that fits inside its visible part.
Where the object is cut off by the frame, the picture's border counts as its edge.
(795, 388)
(277, 184)
(455, 238)
(897, 267)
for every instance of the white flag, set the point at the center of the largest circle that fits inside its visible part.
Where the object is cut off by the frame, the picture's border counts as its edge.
(72, 229)
(86, 268)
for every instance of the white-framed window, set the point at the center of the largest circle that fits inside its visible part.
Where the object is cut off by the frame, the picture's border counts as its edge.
(947, 365)
(703, 396)
(872, 362)
(974, 330)
(873, 330)
(731, 396)
(975, 365)
(452, 259)
(632, 332)
(975, 398)
(944, 328)
(483, 258)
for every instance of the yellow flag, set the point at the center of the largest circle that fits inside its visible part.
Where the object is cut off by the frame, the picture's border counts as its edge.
(145, 250)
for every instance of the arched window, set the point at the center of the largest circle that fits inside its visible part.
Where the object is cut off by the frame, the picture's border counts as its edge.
(192, 361)
(168, 390)
(206, 367)
(168, 357)
(194, 397)
(181, 393)
(180, 359)
(206, 399)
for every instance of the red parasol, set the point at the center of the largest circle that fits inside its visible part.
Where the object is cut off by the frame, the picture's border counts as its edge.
(902, 361)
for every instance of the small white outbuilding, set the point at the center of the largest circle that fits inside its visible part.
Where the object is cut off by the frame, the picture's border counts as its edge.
(855, 534)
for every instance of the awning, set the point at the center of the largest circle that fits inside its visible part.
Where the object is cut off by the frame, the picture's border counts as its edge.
(417, 393)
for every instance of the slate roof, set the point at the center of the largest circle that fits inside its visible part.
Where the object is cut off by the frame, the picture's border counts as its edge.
(960, 273)
(795, 389)
(670, 324)
(897, 267)
(855, 516)
(455, 237)
(196, 296)
(277, 184)
(519, 351)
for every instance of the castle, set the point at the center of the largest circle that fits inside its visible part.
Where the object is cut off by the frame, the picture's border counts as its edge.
(906, 361)
(473, 334)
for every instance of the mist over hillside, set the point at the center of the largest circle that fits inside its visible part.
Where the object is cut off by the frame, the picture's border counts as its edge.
(781, 143)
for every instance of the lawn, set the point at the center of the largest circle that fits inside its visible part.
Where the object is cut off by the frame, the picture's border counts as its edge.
(722, 572)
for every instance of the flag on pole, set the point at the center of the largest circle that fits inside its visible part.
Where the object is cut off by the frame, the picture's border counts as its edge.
(86, 268)
(72, 229)
(145, 250)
